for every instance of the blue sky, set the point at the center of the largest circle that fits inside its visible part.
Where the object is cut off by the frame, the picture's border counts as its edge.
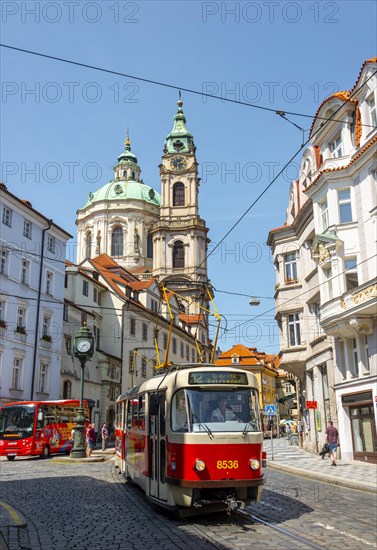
(62, 126)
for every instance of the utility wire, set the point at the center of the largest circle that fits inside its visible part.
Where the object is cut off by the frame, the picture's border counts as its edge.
(279, 173)
(281, 113)
(167, 85)
(305, 292)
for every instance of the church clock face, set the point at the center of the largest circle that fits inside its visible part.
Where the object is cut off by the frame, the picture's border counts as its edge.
(178, 163)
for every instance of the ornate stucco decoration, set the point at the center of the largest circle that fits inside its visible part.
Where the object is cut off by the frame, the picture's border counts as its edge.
(325, 247)
(361, 325)
(323, 254)
(365, 294)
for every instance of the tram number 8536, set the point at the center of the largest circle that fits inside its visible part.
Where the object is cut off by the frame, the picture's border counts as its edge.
(227, 464)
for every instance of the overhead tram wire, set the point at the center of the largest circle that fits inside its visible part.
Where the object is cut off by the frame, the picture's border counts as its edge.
(171, 86)
(331, 119)
(146, 314)
(203, 94)
(305, 292)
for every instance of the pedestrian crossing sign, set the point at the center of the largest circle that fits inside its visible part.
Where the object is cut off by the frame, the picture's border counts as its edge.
(270, 410)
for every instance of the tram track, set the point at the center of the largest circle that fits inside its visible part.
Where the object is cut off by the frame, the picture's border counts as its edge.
(242, 515)
(257, 525)
(286, 532)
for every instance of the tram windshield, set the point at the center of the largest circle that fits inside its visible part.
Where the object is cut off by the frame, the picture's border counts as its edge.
(17, 419)
(197, 410)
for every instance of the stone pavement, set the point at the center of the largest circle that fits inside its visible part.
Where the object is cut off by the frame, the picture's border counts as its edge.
(353, 474)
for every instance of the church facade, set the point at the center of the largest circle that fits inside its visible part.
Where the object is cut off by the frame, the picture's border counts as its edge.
(152, 235)
(141, 274)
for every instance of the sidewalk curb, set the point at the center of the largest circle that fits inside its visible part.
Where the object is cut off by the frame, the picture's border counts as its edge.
(323, 478)
(69, 460)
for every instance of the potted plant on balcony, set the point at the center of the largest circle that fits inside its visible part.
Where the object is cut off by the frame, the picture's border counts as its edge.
(46, 337)
(3, 323)
(21, 329)
(290, 281)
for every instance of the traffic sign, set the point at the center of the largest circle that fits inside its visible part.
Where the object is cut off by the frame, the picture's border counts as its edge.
(270, 410)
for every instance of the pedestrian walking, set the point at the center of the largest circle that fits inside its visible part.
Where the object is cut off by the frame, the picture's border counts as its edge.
(104, 436)
(90, 440)
(332, 439)
(72, 437)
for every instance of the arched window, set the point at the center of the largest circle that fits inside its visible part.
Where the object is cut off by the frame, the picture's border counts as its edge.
(178, 254)
(178, 194)
(67, 389)
(149, 246)
(88, 245)
(117, 242)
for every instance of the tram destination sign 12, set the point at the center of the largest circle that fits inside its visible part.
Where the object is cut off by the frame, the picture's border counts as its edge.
(201, 377)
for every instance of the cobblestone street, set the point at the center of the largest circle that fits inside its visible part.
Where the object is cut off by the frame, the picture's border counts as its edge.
(90, 506)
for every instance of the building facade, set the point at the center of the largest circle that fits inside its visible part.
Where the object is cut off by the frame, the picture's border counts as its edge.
(31, 301)
(305, 350)
(325, 259)
(344, 195)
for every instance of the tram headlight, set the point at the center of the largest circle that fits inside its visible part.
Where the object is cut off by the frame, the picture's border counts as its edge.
(200, 465)
(254, 464)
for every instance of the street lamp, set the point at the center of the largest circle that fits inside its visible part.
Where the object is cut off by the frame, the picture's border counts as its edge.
(83, 344)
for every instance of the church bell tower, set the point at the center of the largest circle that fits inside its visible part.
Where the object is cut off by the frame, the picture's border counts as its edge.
(180, 237)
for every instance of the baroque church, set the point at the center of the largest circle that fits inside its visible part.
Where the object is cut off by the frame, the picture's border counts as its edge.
(152, 235)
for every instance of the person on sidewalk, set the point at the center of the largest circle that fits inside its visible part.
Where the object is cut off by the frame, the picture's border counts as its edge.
(104, 436)
(90, 440)
(332, 439)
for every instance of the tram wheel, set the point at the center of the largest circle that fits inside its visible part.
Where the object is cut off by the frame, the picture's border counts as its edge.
(11, 457)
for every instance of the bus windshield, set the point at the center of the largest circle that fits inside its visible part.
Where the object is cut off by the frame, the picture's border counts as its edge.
(17, 420)
(197, 410)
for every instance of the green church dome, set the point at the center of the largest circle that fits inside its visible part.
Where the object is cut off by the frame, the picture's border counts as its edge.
(124, 190)
(126, 184)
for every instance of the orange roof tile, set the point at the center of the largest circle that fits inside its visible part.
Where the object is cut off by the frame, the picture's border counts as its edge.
(190, 319)
(105, 261)
(141, 285)
(344, 95)
(279, 228)
(371, 60)
(139, 269)
(248, 357)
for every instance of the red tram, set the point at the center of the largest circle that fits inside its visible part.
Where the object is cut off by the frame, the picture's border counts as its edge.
(191, 438)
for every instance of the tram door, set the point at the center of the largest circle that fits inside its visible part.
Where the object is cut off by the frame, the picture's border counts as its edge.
(157, 446)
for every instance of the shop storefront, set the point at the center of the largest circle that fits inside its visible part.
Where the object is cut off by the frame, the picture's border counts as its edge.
(360, 408)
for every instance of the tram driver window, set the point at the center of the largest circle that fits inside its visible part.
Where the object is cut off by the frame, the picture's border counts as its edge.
(179, 412)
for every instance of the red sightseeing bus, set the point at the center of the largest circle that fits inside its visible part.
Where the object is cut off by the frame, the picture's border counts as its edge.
(32, 428)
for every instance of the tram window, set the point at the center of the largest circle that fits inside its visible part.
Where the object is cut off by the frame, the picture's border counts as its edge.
(129, 414)
(162, 416)
(153, 404)
(201, 407)
(179, 412)
(162, 461)
(142, 412)
(135, 406)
